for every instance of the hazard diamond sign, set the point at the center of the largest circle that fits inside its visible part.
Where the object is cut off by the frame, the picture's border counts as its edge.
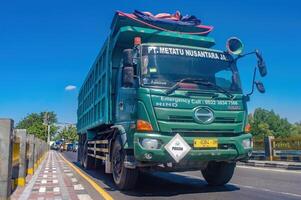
(177, 148)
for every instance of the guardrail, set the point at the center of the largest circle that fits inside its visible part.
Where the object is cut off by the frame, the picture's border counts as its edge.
(20, 155)
(280, 149)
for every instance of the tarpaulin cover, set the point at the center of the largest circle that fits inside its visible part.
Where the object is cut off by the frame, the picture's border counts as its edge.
(169, 22)
(177, 18)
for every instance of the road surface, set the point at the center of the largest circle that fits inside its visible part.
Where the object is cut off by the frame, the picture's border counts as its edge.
(247, 183)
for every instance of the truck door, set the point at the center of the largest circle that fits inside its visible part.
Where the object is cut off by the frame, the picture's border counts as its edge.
(126, 101)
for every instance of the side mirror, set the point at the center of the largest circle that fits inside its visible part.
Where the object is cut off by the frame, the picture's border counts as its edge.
(261, 64)
(260, 87)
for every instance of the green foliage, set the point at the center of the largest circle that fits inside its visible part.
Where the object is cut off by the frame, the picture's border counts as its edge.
(34, 124)
(264, 122)
(69, 134)
(296, 130)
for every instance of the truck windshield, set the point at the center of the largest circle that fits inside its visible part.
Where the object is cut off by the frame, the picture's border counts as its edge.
(163, 66)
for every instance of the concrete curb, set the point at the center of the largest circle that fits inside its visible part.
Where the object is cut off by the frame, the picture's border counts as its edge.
(271, 164)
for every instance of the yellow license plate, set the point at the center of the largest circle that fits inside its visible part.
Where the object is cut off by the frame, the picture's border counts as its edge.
(205, 143)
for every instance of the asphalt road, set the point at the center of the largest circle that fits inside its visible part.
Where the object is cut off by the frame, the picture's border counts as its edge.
(247, 183)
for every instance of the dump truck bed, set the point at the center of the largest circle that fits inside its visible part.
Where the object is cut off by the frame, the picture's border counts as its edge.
(96, 96)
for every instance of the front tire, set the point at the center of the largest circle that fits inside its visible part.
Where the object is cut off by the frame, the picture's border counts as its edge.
(218, 173)
(124, 178)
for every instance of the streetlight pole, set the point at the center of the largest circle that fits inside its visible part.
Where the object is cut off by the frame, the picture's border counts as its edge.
(46, 122)
(48, 134)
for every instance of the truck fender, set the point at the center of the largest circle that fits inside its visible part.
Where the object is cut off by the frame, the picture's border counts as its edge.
(118, 134)
(121, 133)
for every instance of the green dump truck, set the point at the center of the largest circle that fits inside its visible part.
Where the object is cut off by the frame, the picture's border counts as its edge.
(159, 98)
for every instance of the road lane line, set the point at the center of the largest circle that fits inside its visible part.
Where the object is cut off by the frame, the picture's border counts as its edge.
(99, 189)
(270, 169)
(246, 186)
(266, 190)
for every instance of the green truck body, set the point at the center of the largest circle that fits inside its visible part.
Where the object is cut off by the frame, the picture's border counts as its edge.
(209, 120)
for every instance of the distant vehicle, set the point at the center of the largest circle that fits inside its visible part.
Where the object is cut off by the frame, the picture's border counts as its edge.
(70, 147)
(159, 97)
(75, 147)
(54, 147)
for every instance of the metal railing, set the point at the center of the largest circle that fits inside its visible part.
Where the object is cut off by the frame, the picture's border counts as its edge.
(287, 144)
(283, 149)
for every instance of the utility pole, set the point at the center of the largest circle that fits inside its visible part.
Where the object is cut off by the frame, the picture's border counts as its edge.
(47, 123)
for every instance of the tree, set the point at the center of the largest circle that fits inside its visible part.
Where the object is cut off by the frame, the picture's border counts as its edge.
(264, 122)
(296, 130)
(69, 134)
(33, 123)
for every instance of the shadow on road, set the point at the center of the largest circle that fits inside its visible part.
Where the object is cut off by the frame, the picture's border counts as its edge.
(169, 184)
(158, 183)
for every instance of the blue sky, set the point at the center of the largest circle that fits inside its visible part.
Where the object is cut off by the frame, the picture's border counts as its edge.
(47, 45)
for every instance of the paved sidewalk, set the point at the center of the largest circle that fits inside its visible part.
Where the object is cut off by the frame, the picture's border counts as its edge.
(273, 164)
(55, 180)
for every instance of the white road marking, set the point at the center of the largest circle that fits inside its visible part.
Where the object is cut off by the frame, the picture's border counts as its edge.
(84, 197)
(270, 169)
(42, 189)
(78, 187)
(266, 190)
(69, 174)
(73, 180)
(247, 186)
(56, 189)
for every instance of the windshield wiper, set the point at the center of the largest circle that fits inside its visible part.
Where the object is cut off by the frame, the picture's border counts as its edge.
(198, 81)
(177, 86)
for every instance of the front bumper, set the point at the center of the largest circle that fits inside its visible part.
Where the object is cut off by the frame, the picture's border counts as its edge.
(230, 149)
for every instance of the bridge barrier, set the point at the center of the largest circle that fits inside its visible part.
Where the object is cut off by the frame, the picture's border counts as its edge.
(279, 149)
(20, 155)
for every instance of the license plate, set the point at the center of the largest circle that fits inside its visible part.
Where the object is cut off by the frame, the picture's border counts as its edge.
(205, 143)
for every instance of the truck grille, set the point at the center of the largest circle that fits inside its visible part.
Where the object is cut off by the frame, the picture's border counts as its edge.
(188, 130)
(174, 118)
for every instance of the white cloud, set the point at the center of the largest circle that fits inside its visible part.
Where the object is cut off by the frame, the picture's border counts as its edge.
(70, 87)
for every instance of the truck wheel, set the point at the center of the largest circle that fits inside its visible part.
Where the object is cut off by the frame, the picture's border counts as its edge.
(88, 162)
(124, 178)
(218, 173)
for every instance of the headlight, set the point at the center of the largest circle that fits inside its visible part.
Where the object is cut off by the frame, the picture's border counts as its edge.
(247, 143)
(149, 144)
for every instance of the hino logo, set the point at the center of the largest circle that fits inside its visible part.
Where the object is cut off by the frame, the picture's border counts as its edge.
(203, 115)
